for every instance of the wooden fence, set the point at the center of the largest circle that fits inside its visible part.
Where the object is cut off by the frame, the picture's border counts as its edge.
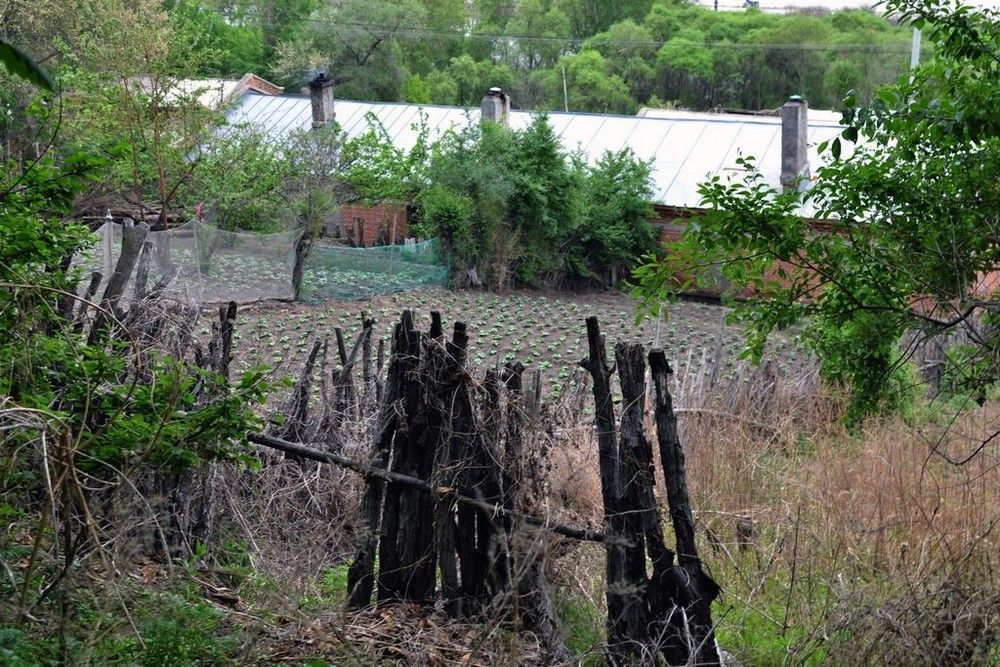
(442, 510)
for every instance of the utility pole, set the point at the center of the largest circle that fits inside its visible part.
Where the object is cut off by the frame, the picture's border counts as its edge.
(915, 51)
(565, 91)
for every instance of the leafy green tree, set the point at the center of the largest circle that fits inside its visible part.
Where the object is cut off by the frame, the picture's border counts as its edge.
(910, 224)
(590, 84)
(616, 211)
(588, 17)
(123, 101)
(239, 181)
(630, 49)
(442, 88)
(544, 206)
(515, 208)
(233, 45)
(686, 66)
(543, 30)
(376, 169)
(788, 62)
(473, 78)
(361, 42)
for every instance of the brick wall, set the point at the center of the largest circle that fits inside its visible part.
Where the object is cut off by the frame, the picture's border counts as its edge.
(380, 224)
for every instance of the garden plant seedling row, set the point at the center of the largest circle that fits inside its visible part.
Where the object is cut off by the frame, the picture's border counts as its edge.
(541, 330)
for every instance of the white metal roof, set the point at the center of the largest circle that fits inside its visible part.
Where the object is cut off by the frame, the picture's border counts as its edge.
(684, 148)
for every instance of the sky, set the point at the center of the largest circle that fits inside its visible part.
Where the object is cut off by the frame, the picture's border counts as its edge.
(831, 4)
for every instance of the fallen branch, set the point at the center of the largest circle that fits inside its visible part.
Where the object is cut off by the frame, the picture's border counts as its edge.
(371, 471)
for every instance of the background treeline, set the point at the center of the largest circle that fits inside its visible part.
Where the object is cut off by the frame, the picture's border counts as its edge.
(587, 55)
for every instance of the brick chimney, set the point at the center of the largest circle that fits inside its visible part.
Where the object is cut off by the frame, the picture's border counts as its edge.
(321, 95)
(794, 139)
(495, 107)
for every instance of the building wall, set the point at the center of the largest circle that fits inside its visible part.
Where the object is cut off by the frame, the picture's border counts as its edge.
(379, 224)
(669, 221)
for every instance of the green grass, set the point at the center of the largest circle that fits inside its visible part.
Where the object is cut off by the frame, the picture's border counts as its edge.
(773, 628)
(582, 627)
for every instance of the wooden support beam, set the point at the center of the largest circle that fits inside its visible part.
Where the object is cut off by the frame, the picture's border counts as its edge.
(369, 471)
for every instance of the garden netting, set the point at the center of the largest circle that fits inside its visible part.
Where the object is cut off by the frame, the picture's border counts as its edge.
(198, 263)
(338, 272)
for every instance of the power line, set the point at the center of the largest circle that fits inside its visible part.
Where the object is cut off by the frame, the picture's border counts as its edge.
(571, 41)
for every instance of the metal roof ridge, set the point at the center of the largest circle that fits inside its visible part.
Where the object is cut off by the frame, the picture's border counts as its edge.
(695, 117)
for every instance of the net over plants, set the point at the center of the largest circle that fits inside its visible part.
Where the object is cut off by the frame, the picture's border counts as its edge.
(337, 272)
(199, 263)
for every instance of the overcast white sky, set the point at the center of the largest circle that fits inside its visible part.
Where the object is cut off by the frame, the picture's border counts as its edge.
(832, 4)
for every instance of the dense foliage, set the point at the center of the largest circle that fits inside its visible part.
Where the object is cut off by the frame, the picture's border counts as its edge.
(516, 209)
(592, 55)
(912, 212)
(89, 406)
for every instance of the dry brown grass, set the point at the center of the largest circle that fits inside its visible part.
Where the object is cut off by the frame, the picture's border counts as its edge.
(818, 534)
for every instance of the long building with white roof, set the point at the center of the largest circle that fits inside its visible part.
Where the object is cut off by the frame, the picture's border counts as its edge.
(684, 148)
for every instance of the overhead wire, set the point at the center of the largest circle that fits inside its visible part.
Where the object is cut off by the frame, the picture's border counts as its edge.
(422, 32)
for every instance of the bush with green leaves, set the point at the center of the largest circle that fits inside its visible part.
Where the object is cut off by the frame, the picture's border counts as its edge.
(516, 207)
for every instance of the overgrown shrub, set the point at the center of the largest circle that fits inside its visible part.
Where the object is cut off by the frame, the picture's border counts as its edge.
(514, 206)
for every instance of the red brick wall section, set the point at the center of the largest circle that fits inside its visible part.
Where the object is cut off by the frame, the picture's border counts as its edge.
(367, 226)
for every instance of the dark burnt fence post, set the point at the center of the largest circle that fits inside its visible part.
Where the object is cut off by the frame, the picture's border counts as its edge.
(697, 590)
(478, 477)
(627, 619)
(444, 475)
(361, 573)
(407, 559)
(492, 457)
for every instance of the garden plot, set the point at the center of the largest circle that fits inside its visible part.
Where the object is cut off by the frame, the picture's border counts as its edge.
(542, 330)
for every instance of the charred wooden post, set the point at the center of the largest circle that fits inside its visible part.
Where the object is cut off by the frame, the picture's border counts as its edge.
(492, 459)
(327, 431)
(341, 347)
(479, 477)
(361, 573)
(295, 423)
(444, 476)
(406, 547)
(220, 347)
(697, 589)
(369, 395)
(626, 620)
(642, 520)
